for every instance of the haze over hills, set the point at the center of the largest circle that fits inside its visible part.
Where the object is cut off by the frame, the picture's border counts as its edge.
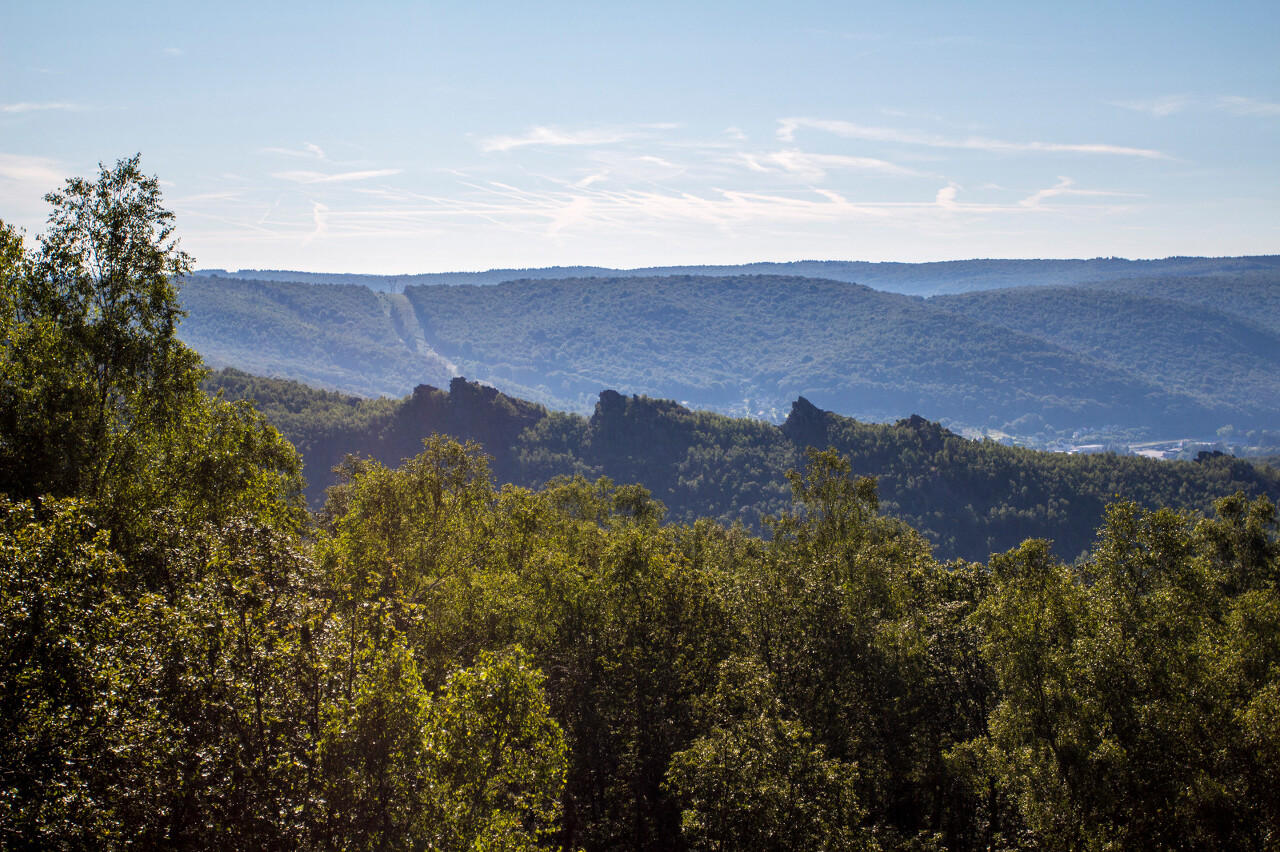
(330, 335)
(1253, 296)
(921, 279)
(1216, 357)
(751, 344)
(1161, 356)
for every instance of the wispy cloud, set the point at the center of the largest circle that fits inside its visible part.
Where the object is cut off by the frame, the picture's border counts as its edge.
(946, 197)
(1066, 186)
(480, 223)
(809, 166)
(24, 180)
(218, 195)
(1248, 106)
(553, 137)
(340, 177)
(320, 216)
(787, 128)
(1157, 107)
(594, 209)
(172, 51)
(309, 151)
(26, 106)
(1171, 104)
(30, 170)
(898, 113)
(660, 187)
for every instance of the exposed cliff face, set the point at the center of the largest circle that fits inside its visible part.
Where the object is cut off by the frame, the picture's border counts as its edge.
(930, 435)
(806, 425)
(469, 411)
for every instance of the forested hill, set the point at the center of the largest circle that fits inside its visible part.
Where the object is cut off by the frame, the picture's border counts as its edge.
(1253, 296)
(1228, 358)
(332, 335)
(1165, 357)
(751, 344)
(953, 276)
(971, 498)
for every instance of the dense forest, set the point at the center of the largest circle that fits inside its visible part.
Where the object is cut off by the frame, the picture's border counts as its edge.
(1135, 359)
(330, 334)
(968, 498)
(769, 339)
(1218, 357)
(190, 660)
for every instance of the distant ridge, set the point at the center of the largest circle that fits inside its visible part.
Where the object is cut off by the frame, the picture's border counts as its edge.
(1138, 359)
(969, 497)
(918, 279)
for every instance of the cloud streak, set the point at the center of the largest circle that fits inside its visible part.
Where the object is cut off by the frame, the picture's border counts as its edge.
(946, 197)
(25, 106)
(24, 180)
(1171, 104)
(555, 138)
(1157, 107)
(1065, 186)
(591, 209)
(1249, 106)
(815, 167)
(308, 177)
(35, 171)
(480, 223)
(320, 219)
(787, 128)
(308, 151)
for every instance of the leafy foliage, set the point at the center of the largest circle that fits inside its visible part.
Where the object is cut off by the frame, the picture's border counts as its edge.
(971, 498)
(91, 365)
(757, 781)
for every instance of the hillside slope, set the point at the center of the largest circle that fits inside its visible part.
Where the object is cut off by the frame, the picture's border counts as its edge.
(1222, 360)
(1134, 359)
(1249, 295)
(334, 336)
(971, 498)
(751, 344)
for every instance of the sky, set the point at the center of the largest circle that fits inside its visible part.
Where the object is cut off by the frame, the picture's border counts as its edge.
(398, 138)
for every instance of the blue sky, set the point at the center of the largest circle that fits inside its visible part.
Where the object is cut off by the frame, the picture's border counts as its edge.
(422, 137)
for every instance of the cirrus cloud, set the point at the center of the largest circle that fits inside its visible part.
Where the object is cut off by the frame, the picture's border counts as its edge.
(26, 106)
(1157, 107)
(554, 137)
(1248, 106)
(341, 177)
(810, 166)
(787, 128)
